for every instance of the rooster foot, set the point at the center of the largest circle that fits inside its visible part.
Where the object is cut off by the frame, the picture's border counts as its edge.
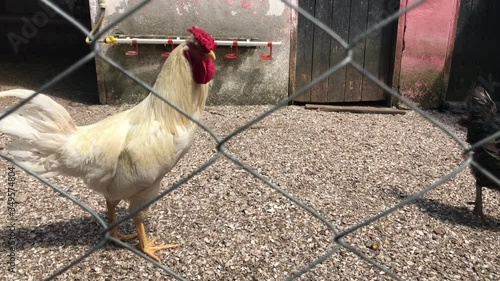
(149, 249)
(111, 205)
(122, 237)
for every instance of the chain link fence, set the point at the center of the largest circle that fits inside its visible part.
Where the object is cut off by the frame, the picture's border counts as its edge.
(337, 238)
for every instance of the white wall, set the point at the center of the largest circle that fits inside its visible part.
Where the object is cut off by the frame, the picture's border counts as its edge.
(245, 80)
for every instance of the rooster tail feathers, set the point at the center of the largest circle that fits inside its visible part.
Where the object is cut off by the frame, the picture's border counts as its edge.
(52, 110)
(41, 129)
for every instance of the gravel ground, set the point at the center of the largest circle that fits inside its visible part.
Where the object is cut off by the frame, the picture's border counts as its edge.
(231, 226)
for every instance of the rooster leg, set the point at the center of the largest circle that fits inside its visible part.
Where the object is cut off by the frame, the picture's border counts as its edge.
(148, 246)
(478, 207)
(112, 219)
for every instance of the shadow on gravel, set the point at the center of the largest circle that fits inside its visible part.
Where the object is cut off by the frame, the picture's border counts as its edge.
(452, 214)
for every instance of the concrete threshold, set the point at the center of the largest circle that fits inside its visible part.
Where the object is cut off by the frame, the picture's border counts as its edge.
(356, 109)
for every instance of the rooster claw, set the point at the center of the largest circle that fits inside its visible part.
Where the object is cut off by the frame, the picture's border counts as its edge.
(484, 219)
(479, 213)
(150, 250)
(123, 237)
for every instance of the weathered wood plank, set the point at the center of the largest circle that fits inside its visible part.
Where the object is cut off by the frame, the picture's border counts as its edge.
(375, 55)
(292, 68)
(495, 47)
(491, 46)
(471, 67)
(389, 37)
(339, 24)
(468, 45)
(398, 54)
(356, 109)
(321, 50)
(358, 20)
(305, 32)
(459, 51)
(449, 48)
(476, 47)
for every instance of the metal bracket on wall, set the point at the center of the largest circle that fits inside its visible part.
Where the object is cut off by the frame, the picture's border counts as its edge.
(171, 43)
(235, 55)
(124, 39)
(133, 53)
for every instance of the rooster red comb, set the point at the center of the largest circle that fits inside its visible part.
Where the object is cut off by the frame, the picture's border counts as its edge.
(205, 39)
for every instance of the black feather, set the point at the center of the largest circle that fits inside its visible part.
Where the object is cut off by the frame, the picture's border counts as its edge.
(483, 122)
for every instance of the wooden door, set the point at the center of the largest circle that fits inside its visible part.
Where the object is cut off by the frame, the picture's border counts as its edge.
(316, 51)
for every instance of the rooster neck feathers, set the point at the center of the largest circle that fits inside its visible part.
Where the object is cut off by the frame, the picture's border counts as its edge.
(183, 80)
(174, 83)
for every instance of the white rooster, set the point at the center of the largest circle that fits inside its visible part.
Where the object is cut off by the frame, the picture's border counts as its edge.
(125, 156)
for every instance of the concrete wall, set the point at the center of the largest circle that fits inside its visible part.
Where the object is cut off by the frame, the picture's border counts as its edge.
(424, 50)
(245, 80)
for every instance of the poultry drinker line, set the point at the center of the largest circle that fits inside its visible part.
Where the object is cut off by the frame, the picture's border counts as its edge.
(176, 41)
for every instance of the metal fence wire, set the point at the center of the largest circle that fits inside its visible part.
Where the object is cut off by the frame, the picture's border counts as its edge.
(337, 241)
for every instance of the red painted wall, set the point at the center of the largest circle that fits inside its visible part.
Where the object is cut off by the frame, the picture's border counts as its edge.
(425, 41)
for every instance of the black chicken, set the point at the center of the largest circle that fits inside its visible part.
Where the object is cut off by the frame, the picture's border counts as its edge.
(483, 122)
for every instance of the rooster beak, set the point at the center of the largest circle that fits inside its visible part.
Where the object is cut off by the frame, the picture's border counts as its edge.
(211, 54)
